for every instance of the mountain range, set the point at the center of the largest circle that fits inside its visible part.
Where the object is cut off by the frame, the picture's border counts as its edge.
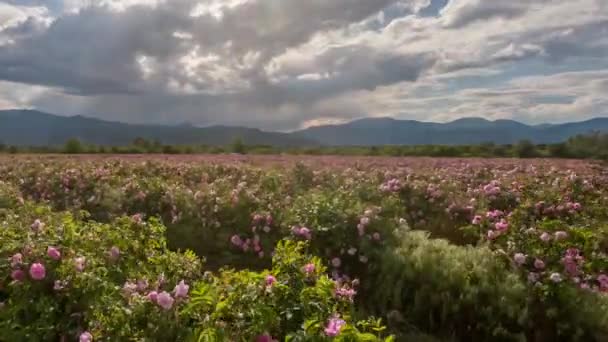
(35, 128)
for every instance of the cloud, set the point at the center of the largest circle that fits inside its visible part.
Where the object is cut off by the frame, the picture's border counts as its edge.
(459, 13)
(283, 64)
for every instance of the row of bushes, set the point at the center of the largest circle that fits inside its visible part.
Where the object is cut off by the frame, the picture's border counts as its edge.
(592, 146)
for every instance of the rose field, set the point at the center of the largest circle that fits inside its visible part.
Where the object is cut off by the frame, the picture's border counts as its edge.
(286, 248)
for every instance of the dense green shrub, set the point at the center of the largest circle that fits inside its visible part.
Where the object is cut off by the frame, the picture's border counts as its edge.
(456, 292)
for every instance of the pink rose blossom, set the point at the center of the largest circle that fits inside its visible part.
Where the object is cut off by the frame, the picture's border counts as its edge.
(336, 262)
(164, 300)
(539, 264)
(18, 275)
(334, 326)
(309, 268)
(555, 277)
(59, 285)
(519, 259)
(533, 277)
(561, 235)
(264, 338)
(37, 271)
(152, 296)
(142, 284)
(53, 253)
(345, 293)
(236, 240)
(114, 253)
(270, 280)
(37, 226)
(129, 288)
(85, 337)
(502, 225)
(545, 237)
(181, 290)
(16, 260)
(361, 229)
(79, 263)
(476, 220)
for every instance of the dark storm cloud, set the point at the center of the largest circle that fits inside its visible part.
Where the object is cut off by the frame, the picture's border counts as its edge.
(272, 63)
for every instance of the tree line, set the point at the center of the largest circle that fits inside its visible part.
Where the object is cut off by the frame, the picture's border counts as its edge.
(588, 146)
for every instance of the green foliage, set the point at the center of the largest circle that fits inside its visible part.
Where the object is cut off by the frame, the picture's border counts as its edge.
(591, 146)
(286, 302)
(452, 291)
(452, 277)
(525, 149)
(238, 147)
(73, 146)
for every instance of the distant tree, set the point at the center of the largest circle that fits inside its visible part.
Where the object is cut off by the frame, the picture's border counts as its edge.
(374, 151)
(142, 143)
(559, 150)
(2, 147)
(13, 149)
(238, 146)
(525, 149)
(157, 146)
(73, 146)
(170, 149)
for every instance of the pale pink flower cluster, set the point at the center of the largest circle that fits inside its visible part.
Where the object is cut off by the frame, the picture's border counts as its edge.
(392, 185)
(345, 292)
(302, 232)
(492, 189)
(247, 245)
(37, 226)
(572, 260)
(545, 237)
(519, 259)
(477, 219)
(164, 298)
(334, 326)
(495, 214)
(309, 268)
(602, 279)
(560, 235)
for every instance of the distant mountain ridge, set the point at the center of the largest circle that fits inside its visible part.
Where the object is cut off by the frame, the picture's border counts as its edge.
(35, 128)
(388, 131)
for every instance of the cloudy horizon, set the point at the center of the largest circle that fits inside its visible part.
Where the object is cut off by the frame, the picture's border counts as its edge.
(289, 64)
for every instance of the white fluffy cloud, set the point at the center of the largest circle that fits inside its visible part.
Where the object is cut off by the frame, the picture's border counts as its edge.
(284, 64)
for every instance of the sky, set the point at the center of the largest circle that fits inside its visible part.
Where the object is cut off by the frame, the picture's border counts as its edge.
(289, 64)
